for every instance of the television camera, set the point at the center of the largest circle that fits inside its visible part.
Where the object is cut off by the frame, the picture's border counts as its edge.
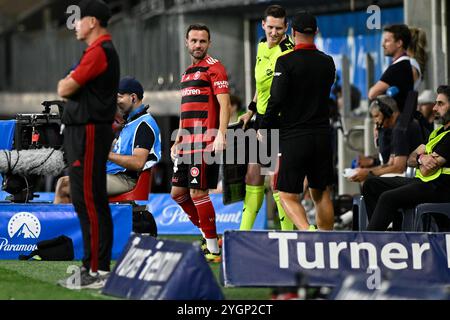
(37, 152)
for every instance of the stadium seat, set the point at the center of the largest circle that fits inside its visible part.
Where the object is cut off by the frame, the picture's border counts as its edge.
(408, 219)
(360, 220)
(423, 213)
(140, 191)
(359, 213)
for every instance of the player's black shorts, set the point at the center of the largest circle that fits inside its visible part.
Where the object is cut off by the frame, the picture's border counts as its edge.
(309, 155)
(195, 176)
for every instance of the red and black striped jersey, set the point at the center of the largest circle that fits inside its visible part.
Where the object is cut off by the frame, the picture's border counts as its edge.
(200, 84)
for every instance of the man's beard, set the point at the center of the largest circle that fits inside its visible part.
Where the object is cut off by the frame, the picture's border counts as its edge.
(198, 56)
(388, 54)
(125, 110)
(444, 119)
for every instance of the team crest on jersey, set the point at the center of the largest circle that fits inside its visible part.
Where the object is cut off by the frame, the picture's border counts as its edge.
(197, 75)
(269, 72)
(195, 172)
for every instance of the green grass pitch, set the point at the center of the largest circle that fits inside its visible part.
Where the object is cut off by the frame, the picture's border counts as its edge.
(36, 280)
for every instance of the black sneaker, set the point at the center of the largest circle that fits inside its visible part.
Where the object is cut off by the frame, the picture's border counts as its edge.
(104, 275)
(83, 280)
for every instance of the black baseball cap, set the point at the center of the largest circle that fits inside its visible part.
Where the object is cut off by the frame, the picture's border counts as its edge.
(131, 85)
(95, 8)
(304, 22)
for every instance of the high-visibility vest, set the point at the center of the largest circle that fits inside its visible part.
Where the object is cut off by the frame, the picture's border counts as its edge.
(432, 142)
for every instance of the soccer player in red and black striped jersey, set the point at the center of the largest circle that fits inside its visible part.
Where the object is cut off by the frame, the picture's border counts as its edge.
(205, 107)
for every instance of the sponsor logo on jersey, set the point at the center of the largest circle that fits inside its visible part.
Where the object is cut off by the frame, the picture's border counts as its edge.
(190, 92)
(221, 84)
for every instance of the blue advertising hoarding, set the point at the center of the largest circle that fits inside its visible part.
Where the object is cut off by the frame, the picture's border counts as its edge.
(357, 288)
(171, 219)
(24, 225)
(151, 269)
(275, 258)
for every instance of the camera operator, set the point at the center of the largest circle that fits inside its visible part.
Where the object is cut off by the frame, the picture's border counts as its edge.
(137, 148)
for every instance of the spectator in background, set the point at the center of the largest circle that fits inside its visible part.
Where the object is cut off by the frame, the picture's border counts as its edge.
(417, 54)
(384, 196)
(236, 109)
(396, 40)
(386, 115)
(336, 94)
(426, 102)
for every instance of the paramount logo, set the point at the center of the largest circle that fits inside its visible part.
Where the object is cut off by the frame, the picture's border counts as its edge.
(24, 225)
(23, 228)
(173, 214)
(24, 232)
(6, 246)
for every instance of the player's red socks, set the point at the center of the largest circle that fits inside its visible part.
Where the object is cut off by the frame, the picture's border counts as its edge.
(207, 216)
(188, 206)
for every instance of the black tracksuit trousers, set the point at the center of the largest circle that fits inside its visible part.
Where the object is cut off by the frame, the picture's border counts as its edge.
(87, 148)
(385, 196)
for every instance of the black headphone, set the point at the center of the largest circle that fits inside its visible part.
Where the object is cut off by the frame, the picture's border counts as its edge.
(384, 108)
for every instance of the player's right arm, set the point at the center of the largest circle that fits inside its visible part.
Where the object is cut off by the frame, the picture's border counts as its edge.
(173, 149)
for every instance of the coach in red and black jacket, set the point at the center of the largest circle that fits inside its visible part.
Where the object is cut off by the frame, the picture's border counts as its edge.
(91, 94)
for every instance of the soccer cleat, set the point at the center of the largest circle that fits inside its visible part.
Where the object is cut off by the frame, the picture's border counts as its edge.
(312, 228)
(204, 247)
(212, 257)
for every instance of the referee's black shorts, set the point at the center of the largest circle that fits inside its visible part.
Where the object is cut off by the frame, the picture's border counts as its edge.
(309, 155)
(267, 148)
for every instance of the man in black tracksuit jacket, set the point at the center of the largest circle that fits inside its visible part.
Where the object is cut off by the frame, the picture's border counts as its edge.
(300, 89)
(91, 94)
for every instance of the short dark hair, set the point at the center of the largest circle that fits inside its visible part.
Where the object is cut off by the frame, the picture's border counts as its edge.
(198, 27)
(275, 11)
(445, 90)
(400, 32)
(385, 103)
